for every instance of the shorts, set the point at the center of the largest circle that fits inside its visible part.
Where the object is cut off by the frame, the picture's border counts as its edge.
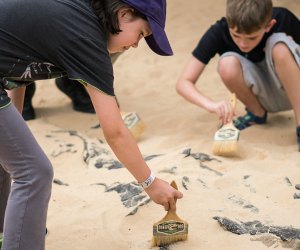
(261, 77)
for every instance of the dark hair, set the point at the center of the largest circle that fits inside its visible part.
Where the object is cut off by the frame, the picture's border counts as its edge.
(107, 11)
(248, 15)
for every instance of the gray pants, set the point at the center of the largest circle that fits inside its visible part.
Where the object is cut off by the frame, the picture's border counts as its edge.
(261, 77)
(31, 173)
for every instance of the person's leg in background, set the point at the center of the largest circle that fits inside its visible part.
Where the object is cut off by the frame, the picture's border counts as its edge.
(75, 91)
(28, 110)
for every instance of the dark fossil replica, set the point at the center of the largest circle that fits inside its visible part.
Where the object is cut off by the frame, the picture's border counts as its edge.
(256, 227)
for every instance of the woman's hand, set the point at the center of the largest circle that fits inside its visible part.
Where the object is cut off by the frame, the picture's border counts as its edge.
(162, 193)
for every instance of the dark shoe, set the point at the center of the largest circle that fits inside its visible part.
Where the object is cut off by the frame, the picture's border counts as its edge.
(28, 110)
(248, 120)
(81, 100)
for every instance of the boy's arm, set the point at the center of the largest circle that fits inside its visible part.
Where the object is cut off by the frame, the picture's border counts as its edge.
(186, 86)
(125, 148)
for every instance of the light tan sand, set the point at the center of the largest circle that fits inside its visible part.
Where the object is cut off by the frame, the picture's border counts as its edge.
(252, 186)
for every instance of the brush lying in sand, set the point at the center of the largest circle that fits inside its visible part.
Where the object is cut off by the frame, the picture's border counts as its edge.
(226, 138)
(134, 124)
(170, 228)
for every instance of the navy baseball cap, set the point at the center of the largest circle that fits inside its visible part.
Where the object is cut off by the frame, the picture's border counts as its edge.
(155, 12)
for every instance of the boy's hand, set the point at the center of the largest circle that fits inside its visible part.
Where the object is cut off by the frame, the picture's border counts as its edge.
(162, 193)
(224, 111)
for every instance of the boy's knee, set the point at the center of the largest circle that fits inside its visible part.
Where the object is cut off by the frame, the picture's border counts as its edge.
(280, 52)
(229, 67)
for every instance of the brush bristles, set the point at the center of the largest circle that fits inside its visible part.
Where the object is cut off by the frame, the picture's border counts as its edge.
(169, 231)
(225, 148)
(134, 124)
(138, 129)
(225, 140)
(161, 240)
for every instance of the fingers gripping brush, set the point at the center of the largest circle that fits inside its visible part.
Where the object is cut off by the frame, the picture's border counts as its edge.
(169, 229)
(226, 138)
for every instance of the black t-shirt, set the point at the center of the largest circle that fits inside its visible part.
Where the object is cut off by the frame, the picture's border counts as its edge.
(43, 39)
(217, 39)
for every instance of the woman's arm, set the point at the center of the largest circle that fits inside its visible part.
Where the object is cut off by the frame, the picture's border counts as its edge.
(125, 148)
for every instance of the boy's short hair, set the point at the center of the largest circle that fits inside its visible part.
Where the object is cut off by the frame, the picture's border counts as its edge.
(248, 16)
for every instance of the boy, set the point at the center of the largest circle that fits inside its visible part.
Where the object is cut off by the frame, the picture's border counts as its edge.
(260, 58)
(42, 39)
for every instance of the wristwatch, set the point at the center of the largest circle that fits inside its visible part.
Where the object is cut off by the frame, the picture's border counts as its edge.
(148, 181)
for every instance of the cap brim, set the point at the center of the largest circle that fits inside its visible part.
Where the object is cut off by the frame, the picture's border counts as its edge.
(158, 40)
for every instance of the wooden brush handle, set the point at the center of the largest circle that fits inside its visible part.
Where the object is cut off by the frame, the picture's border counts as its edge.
(233, 100)
(174, 185)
